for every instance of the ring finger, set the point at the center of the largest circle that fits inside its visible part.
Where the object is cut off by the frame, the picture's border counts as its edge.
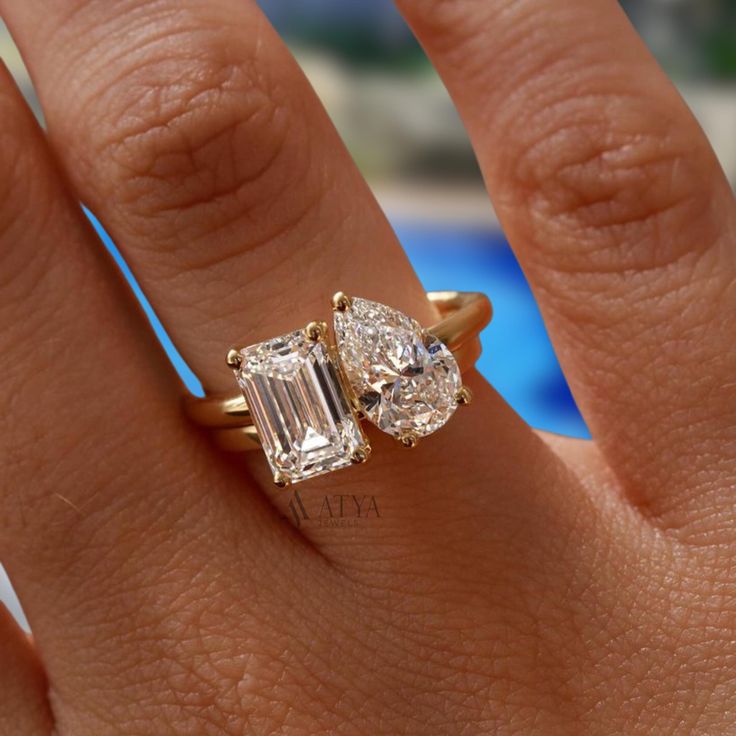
(199, 143)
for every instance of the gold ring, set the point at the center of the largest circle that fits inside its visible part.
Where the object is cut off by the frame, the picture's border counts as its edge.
(301, 399)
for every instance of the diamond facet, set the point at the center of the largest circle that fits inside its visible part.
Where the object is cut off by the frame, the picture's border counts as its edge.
(299, 406)
(405, 379)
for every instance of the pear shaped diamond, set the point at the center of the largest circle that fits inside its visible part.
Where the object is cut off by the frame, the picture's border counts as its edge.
(405, 379)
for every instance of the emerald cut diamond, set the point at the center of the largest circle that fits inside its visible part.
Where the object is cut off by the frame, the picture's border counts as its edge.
(299, 406)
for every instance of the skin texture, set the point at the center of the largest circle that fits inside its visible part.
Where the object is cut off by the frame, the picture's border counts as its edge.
(514, 583)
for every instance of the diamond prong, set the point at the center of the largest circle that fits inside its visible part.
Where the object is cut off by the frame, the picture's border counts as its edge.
(316, 331)
(463, 396)
(409, 439)
(341, 302)
(358, 409)
(360, 455)
(281, 480)
(233, 358)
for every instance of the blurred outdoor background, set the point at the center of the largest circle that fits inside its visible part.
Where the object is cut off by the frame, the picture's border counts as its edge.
(400, 126)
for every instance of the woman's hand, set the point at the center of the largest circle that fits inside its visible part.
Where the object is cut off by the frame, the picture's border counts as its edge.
(513, 583)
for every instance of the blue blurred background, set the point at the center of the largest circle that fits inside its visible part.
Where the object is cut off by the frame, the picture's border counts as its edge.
(397, 120)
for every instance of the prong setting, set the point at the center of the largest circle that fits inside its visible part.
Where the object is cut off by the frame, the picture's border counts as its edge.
(316, 331)
(281, 480)
(463, 396)
(357, 409)
(361, 455)
(409, 439)
(341, 302)
(233, 358)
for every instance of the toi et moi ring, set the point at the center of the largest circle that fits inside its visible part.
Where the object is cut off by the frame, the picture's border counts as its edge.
(302, 399)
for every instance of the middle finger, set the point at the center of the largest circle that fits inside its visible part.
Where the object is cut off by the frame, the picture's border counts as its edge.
(198, 142)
